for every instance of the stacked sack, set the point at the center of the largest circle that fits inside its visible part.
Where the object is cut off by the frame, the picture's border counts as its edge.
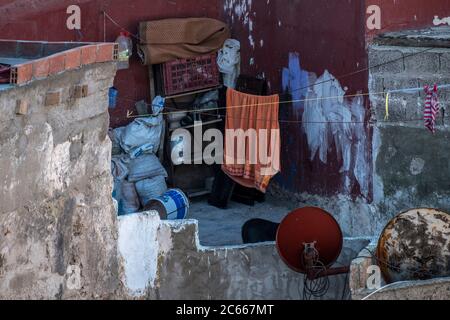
(137, 172)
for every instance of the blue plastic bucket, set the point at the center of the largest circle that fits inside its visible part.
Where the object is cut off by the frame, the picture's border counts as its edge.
(113, 93)
(172, 205)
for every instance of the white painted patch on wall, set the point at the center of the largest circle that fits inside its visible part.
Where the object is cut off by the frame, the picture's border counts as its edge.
(261, 43)
(326, 122)
(439, 22)
(417, 166)
(60, 165)
(138, 247)
(251, 41)
(241, 10)
(165, 239)
(237, 8)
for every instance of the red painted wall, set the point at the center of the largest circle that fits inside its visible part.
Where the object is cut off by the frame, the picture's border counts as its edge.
(326, 35)
(46, 20)
(408, 14)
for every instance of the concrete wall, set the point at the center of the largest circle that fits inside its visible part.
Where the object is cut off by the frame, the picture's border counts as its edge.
(164, 260)
(57, 220)
(411, 165)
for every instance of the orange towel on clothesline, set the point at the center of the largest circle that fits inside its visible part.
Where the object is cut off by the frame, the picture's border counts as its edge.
(252, 139)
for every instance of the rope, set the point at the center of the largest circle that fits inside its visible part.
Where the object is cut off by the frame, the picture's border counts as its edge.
(119, 26)
(204, 111)
(130, 115)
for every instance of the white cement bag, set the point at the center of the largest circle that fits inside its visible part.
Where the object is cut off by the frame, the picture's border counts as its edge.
(126, 196)
(119, 166)
(229, 62)
(149, 189)
(142, 136)
(116, 135)
(146, 166)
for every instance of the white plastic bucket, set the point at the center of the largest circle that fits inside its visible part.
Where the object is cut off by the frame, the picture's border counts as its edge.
(172, 205)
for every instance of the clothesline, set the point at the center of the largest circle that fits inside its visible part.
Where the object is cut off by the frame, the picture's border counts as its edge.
(406, 90)
(130, 115)
(440, 87)
(296, 122)
(325, 122)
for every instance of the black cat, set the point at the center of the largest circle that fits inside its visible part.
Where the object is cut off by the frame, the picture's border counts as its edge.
(259, 230)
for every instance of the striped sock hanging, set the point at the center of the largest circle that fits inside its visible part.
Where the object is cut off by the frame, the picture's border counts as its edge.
(432, 108)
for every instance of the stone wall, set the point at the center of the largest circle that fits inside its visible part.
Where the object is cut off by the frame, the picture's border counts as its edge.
(164, 260)
(411, 165)
(57, 220)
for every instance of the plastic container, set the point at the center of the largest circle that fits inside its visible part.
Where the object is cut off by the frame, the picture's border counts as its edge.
(113, 93)
(125, 50)
(186, 75)
(172, 205)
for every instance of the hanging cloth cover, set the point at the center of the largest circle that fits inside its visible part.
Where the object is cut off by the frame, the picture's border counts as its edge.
(170, 39)
(432, 107)
(254, 160)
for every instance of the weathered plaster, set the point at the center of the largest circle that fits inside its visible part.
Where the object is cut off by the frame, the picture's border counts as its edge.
(187, 270)
(57, 220)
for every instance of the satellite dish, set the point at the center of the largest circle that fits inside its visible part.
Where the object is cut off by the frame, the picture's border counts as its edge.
(308, 237)
(415, 245)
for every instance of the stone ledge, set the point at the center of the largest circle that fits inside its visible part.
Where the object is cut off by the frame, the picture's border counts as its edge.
(436, 289)
(438, 37)
(50, 58)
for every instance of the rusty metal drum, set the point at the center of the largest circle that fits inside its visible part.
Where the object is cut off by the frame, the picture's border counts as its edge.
(415, 245)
